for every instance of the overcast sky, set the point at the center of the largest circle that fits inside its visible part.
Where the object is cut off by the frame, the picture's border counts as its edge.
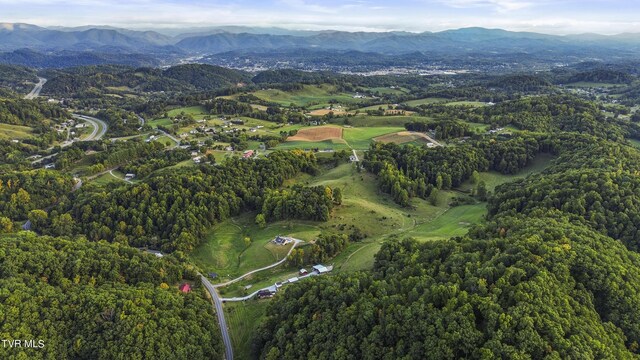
(546, 16)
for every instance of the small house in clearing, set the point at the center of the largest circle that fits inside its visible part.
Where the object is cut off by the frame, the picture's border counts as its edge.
(129, 176)
(247, 154)
(320, 269)
(282, 240)
(185, 288)
(265, 293)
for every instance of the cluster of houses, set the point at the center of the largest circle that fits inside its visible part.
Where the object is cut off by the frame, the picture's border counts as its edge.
(69, 125)
(303, 273)
(494, 131)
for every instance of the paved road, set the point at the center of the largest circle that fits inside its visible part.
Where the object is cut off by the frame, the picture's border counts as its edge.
(96, 134)
(226, 339)
(295, 243)
(355, 155)
(217, 301)
(252, 295)
(141, 119)
(119, 178)
(99, 127)
(36, 90)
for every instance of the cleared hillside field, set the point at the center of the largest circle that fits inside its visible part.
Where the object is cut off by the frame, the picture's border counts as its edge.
(334, 144)
(17, 132)
(401, 137)
(323, 112)
(361, 138)
(320, 133)
(425, 101)
(310, 95)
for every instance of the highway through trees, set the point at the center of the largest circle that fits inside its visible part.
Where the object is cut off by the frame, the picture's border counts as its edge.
(36, 90)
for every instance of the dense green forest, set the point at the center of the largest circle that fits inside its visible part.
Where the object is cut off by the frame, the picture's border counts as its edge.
(93, 81)
(22, 192)
(172, 210)
(414, 171)
(89, 300)
(29, 113)
(20, 79)
(307, 203)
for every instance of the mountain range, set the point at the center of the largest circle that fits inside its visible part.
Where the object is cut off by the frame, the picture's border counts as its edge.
(460, 42)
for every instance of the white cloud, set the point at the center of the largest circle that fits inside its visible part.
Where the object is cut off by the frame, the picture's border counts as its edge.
(498, 5)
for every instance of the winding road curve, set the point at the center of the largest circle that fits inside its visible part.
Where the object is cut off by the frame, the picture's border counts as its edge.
(99, 127)
(217, 301)
(36, 90)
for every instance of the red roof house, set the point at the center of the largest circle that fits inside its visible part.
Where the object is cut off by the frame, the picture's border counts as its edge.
(185, 288)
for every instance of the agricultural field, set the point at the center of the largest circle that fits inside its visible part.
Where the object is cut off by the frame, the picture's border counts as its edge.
(383, 121)
(402, 137)
(336, 144)
(320, 133)
(361, 138)
(323, 112)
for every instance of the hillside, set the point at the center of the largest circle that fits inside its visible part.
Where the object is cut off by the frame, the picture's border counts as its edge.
(192, 77)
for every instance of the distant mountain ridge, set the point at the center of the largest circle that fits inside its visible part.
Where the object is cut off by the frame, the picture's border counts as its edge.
(460, 42)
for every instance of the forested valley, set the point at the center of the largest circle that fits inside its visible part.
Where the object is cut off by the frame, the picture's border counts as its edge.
(481, 215)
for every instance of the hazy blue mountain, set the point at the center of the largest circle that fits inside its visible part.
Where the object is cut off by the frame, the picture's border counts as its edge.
(67, 58)
(452, 42)
(18, 36)
(469, 42)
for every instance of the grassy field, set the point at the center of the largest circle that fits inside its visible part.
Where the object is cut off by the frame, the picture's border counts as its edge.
(466, 103)
(454, 222)
(335, 144)
(197, 111)
(243, 318)
(17, 132)
(225, 251)
(161, 122)
(493, 178)
(318, 133)
(634, 142)
(105, 179)
(402, 137)
(382, 121)
(310, 96)
(585, 84)
(374, 213)
(189, 110)
(425, 101)
(360, 138)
